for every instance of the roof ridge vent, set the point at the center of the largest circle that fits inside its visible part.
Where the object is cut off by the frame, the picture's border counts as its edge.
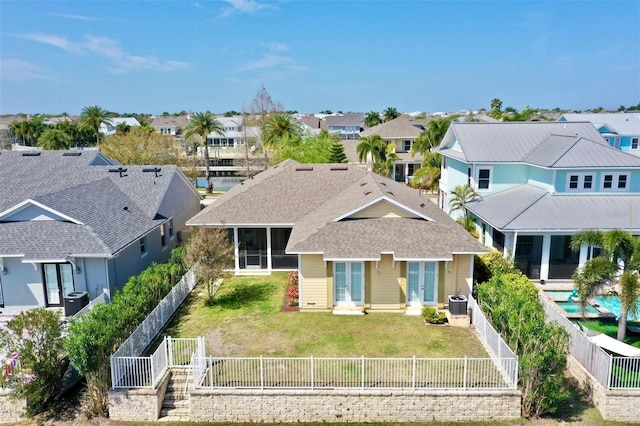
(72, 154)
(339, 168)
(121, 170)
(155, 170)
(367, 193)
(363, 183)
(390, 193)
(304, 169)
(31, 153)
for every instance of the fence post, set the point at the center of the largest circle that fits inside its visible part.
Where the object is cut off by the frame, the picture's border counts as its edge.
(609, 372)
(362, 372)
(464, 380)
(153, 373)
(113, 372)
(312, 371)
(169, 350)
(210, 371)
(261, 373)
(413, 381)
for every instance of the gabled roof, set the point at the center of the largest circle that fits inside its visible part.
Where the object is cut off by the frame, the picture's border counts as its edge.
(327, 207)
(548, 144)
(170, 121)
(345, 120)
(402, 127)
(107, 210)
(529, 208)
(622, 123)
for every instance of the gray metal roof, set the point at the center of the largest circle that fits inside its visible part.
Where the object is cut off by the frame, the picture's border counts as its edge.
(529, 208)
(319, 202)
(622, 123)
(507, 142)
(114, 211)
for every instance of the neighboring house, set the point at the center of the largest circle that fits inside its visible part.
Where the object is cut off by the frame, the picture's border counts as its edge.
(170, 125)
(109, 129)
(358, 240)
(74, 221)
(621, 130)
(539, 183)
(402, 132)
(346, 126)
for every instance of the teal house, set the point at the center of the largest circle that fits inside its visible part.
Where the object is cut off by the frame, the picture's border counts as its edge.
(621, 130)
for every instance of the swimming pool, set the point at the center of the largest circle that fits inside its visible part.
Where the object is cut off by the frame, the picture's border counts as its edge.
(560, 294)
(612, 304)
(574, 308)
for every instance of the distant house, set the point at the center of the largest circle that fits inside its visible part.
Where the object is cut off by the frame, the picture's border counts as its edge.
(402, 132)
(170, 125)
(621, 130)
(539, 183)
(345, 126)
(75, 221)
(358, 240)
(109, 128)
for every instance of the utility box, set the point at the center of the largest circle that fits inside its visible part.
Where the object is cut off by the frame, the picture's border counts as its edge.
(74, 302)
(458, 305)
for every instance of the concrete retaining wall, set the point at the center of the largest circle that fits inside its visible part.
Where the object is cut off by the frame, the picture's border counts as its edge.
(617, 405)
(11, 410)
(142, 405)
(292, 406)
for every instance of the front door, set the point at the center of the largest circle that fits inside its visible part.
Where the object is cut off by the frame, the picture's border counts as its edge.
(422, 283)
(58, 282)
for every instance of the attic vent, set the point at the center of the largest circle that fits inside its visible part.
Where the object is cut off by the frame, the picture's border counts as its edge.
(363, 183)
(382, 183)
(71, 154)
(367, 193)
(390, 193)
(120, 170)
(155, 170)
(422, 205)
(31, 154)
(339, 168)
(304, 169)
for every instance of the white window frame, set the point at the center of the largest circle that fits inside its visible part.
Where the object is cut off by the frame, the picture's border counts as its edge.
(422, 285)
(172, 233)
(348, 284)
(477, 178)
(637, 142)
(144, 250)
(406, 142)
(615, 181)
(581, 182)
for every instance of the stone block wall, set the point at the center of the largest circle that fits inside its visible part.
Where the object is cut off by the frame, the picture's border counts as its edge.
(11, 410)
(290, 406)
(616, 405)
(142, 405)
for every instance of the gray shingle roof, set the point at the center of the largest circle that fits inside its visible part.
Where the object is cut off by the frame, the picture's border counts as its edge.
(319, 201)
(402, 127)
(529, 208)
(87, 193)
(508, 142)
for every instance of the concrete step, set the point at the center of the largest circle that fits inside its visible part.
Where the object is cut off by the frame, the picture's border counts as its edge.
(176, 403)
(182, 413)
(176, 395)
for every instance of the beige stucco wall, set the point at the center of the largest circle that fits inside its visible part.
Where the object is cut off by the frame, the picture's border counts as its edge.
(382, 209)
(11, 410)
(456, 276)
(313, 282)
(292, 406)
(385, 284)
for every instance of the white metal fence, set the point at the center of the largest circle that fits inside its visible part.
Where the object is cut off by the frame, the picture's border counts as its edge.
(612, 372)
(128, 368)
(101, 298)
(356, 373)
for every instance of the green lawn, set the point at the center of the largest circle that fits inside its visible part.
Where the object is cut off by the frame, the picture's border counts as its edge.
(246, 321)
(610, 328)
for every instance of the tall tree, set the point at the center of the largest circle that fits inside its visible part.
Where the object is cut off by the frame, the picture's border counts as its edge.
(368, 150)
(461, 195)
(91, 118)
(388, 157)
(432, 136)
(261, 109)
(620, 266)
(496, 108)
(141, 147)
(390, 114)
(372, 118)
(54, 139)
(277, 128)
(336, 153)
(202, 124)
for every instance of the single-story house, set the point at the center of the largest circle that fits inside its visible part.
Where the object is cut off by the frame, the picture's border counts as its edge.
(76, 221)
(357, 239)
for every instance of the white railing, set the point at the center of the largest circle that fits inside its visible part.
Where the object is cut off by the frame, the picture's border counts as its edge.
(102, 298)
(501, 352)
(198, 363)
(125, 372)
(356, 373)
(612, 372)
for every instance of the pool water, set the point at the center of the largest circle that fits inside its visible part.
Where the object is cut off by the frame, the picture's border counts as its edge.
(612, 304)
(574, 308)
(560, 294)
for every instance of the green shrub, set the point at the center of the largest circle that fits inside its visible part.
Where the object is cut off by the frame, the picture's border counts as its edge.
(432, 316)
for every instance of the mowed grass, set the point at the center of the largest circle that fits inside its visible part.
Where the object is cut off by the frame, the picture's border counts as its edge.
(610, 328)
(246, 321)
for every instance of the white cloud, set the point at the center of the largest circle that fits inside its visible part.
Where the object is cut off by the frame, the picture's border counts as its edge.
(243, 6)
(19, 70)
(122, 61)
(74, 17)
(267, 61)
(276, 47)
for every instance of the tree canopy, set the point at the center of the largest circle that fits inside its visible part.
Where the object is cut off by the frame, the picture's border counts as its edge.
(139, 147)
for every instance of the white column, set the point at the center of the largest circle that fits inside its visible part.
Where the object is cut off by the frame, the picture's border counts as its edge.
(544, 261)
(406, 173)
(236, 249)
(268, 248)
(584, 255)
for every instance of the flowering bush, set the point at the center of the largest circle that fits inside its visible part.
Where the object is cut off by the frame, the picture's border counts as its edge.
(292, 296)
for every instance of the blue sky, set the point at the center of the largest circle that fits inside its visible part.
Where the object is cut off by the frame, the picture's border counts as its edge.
(156, 56)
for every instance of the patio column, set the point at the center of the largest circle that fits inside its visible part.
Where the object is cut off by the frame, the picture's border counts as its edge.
(406, 173)
(544, 262)
(236, 250)
(269, 263)
(584, 255)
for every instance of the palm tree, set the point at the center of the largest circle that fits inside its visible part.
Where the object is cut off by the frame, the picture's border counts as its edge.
(390, 113)
(54, 139)
(622, 255)
(388, 157)
(279, 127)
(372, 118)
(369, 149)
(432, 136)
(203, 124)
(460, 196)
(91, 118)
